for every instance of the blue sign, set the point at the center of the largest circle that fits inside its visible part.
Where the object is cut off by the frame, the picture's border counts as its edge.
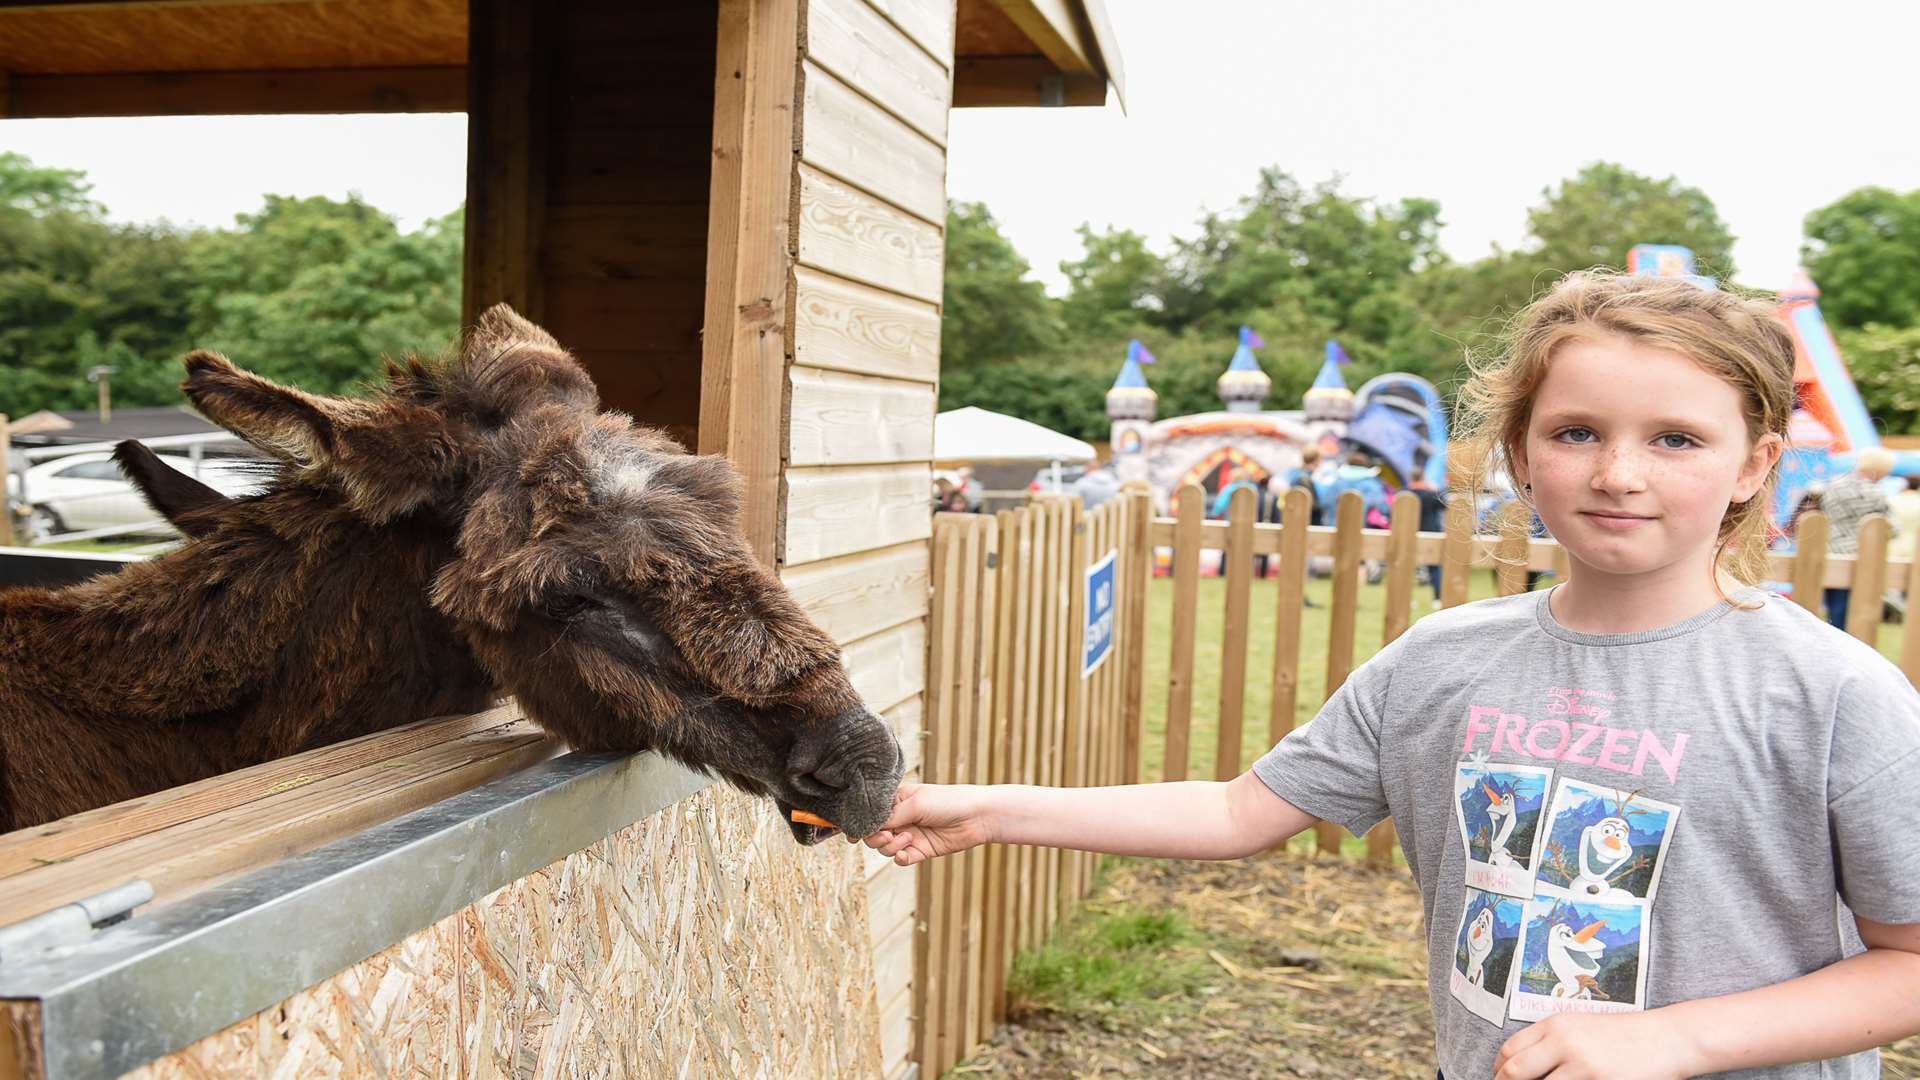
(1099, 629)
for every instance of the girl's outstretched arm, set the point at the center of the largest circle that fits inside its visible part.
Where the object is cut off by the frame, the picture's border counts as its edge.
(1861, 1002)
(1190, 819)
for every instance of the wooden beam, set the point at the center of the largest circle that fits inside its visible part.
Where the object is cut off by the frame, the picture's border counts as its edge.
(506, 157)
(748, 336)
(188, 837)
(1017, 81)
(1054, 29)
(219, 93)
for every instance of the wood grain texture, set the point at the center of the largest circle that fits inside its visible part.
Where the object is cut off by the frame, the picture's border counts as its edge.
(842, 419)
(865, 592)
(854, 139)
(890, 666)
(928, 22)
(854, 42)
(834, 511)
(744, 350)
(842, 325)
(850, 233)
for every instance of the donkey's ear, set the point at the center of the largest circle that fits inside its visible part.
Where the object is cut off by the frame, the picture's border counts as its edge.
(293, 426)
(189, 504)
(508, 365)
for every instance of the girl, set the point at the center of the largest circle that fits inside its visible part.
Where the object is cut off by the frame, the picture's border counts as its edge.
(1686, 805)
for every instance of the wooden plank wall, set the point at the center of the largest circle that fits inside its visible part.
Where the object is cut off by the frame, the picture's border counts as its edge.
(868, 242)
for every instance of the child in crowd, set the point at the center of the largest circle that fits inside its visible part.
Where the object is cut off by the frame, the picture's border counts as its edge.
(1662, 823)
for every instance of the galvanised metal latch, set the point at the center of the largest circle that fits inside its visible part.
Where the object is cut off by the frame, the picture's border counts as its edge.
(71, 924)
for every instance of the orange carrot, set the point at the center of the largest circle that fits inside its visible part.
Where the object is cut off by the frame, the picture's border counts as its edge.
(805, 818)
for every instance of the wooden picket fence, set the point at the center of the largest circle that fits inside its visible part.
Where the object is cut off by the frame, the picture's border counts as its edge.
(1007, 703)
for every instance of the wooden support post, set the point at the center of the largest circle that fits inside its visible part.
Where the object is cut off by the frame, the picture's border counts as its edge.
(1456, 559)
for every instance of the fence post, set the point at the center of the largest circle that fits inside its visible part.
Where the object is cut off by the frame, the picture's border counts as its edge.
(1345, 615)
(1810, 561)
(1910, 639)
(1456, 557)
(1869, 579)
(931, 924)
(1139, 546)
(1237, 570)
(1186, 604)
(1402, 554)
(6, 504)
(1296, 516)
(1511, 556)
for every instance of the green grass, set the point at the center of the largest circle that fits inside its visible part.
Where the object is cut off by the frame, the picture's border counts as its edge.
(1112, 966)
(1256, 735)
(104, 546)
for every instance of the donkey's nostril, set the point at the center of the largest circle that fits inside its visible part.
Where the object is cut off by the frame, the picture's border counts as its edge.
(824, 781)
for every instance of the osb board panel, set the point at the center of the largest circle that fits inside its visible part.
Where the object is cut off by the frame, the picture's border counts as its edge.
(234, 37)
(846, 326)
(698, 942)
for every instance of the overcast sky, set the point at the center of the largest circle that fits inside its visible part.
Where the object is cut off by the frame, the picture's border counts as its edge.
(1773, 109)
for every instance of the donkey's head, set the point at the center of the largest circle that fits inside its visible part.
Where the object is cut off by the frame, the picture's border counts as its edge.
(600, 573)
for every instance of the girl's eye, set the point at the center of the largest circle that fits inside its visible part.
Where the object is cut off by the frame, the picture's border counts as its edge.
(1577, 435)
(1673, 440)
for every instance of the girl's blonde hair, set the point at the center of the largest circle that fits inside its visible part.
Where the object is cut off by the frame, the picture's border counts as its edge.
(1740, 340)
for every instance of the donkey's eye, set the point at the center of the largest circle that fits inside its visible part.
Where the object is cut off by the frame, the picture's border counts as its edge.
(572, 606)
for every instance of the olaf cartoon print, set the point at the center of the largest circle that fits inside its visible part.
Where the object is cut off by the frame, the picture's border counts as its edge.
(1484, 953)
(1499, 808)
(1581, 956)
(1604, 844)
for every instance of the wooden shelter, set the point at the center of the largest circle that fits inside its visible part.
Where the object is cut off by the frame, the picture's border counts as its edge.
(732, 212)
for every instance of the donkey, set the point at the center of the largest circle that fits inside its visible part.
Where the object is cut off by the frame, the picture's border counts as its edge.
(475, 526)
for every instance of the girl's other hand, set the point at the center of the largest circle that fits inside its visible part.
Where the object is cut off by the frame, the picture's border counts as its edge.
(930, 820)
(1588, 1046)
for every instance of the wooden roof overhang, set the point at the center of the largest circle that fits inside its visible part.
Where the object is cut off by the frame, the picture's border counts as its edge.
(73, 58)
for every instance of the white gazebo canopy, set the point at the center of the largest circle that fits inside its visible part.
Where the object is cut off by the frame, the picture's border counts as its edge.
(971, 434)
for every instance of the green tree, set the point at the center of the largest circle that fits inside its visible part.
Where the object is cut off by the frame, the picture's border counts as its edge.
(39, 190)
(1863, 250)
(1593, 218)
(1885, 363)
(1113, 287)
(992, 311)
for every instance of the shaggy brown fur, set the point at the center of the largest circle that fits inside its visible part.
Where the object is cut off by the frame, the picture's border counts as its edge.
(477, 526)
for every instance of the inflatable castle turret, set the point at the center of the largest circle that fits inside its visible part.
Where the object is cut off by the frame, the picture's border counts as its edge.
(1243, 386)
(1328, 403)
(1131, 405)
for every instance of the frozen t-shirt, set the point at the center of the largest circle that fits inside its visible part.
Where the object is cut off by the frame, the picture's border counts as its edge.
(1609, 822)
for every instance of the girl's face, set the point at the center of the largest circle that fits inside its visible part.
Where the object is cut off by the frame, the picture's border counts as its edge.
(1635, 453)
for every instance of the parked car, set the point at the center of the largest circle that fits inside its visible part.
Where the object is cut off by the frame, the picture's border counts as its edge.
(88, 491)
(1044, 479)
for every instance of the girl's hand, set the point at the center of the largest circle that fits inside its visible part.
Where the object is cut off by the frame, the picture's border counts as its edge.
(1591, 1046)
(930, 820)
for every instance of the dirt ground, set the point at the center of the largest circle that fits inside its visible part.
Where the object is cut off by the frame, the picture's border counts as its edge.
(1306, 967)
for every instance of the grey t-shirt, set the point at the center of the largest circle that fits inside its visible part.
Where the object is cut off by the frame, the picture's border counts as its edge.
(1621, 821)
